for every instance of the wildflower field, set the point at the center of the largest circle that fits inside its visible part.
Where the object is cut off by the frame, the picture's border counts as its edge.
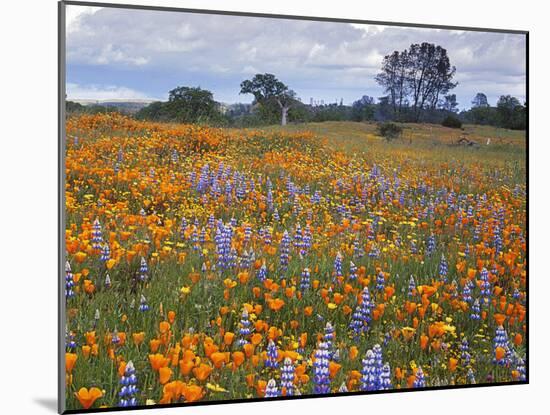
(207, 264)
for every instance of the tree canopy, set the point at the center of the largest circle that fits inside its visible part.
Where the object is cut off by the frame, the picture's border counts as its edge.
(417, 77)
(267, 89)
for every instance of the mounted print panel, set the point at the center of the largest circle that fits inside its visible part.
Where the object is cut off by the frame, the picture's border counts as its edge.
(261, 207)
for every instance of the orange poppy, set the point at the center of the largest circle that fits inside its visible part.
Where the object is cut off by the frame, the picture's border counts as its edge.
(276, 304)
(70, 361)
(164, 375)
(88, 397)
(192, 393)
(138, 338)
(333, 369)
(256, 339)
(248, 349)
(499, 353)
(157, 361)
(238, 359)
(202, 371)
(228, 338)
(218, 358)
(452, 364)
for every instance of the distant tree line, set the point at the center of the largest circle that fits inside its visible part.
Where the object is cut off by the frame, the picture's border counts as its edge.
(77, 108)
(417, 83)
(508, 112)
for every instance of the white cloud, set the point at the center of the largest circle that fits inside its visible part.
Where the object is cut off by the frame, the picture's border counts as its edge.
(73, 15)
(102, 92)
(215, 51)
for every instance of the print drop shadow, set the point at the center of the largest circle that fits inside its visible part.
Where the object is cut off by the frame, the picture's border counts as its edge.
(48, 403)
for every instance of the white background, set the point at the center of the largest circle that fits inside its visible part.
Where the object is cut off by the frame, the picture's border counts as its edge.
(28, 217)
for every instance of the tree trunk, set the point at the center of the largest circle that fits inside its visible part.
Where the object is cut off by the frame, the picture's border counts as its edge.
(284, 113)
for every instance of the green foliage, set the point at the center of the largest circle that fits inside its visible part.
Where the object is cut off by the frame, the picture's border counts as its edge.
(481, 115)
(451, 122)
(389, 130)
(185, 105)
(511, 114)
(267, 91)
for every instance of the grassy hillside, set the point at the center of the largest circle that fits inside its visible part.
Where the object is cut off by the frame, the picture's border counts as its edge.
(352, 136)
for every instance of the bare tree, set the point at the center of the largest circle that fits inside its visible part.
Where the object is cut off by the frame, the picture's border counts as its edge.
(267, 88)
(394, 79)
(430, 75)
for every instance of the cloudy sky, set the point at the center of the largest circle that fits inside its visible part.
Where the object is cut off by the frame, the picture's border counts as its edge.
(141, 54)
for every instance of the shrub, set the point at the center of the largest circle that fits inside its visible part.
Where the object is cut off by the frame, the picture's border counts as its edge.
(389, 130)
(451, 122)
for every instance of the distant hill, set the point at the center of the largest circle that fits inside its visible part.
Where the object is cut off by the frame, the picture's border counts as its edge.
(123, 105)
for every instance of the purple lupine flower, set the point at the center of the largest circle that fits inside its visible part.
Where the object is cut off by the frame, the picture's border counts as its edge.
(69, 281)
(97, 236)
(380, 281)
(467, 291)
(244, 328)
(520, 368)
(306, 240)
(471, 377)
(224, 234)
(497, 239)
(211, 221)
(385, 377)
(271, 390)
(419, 379)
(70, 342)
(115, 338)
(143, 306)
(107, 281)
(143, 269)
(477, 232)
(501, 340)
(175, 156)
(430, 245)
(465, 352)
(247, 233)
(470, 212)
(360, 320)
(284, 249)
(476, 309)
(352, 271)
(412, 287)
(338, 265)
(305, 281)
(443, 268)
(262, 273)
(375, 375)
(329, 337)
(374, 252)
(129, 391)
(105, 253)
(298, 237)
(485, 287)
(272, 355)
(321, 378)
(287, 376)
(358, 251)
(245, 260)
